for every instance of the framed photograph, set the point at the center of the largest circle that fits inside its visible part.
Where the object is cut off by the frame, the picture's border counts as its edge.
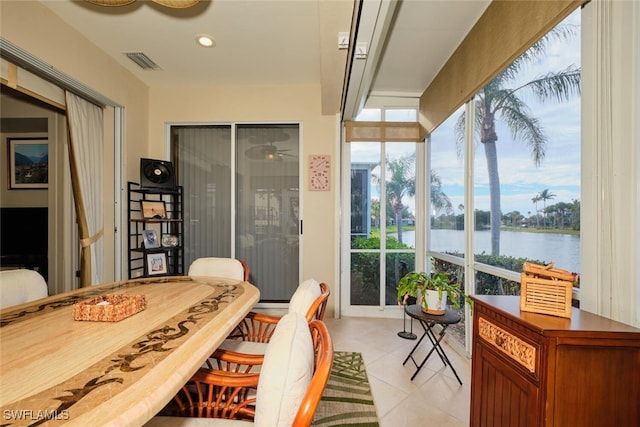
(28, 160)
(153, 209)
(150, 239)
(157, 263)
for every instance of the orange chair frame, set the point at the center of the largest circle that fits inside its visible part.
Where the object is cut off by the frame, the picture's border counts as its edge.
(229, 394)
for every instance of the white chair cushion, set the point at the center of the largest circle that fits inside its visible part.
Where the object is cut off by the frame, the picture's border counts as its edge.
(228, 268)
(311, 284)
(286, 372)
(304, 296)
(20, 286)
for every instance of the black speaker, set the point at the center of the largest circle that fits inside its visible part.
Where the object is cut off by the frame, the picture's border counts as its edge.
(157, 174)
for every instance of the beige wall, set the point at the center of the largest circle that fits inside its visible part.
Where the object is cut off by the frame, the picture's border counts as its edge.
(14, 108)
(34, 28)
(291, 103)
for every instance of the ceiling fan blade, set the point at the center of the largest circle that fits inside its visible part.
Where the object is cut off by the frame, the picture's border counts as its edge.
(278, 136)
(177, 4)
(255, 140)
(111, 2)
(260, 152)
(267, 152)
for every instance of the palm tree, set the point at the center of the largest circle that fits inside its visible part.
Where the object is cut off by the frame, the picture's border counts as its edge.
(401, 182)
(535, 199)
(499, 100)
(375, 213)
(439, 199)
(460, 226)
(544, 196)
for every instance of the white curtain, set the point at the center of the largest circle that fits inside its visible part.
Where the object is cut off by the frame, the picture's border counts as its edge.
(611, 163)
(86, 156)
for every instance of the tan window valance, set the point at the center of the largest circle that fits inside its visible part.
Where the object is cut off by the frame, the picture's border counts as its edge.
(383, 131)
(503, 32)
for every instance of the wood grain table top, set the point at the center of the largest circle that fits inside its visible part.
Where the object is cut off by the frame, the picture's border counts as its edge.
(55, 370)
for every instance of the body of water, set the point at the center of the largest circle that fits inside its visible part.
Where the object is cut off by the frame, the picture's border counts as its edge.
(561, 249)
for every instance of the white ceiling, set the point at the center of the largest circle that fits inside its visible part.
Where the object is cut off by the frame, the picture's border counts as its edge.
(424, 34)
(271, 42)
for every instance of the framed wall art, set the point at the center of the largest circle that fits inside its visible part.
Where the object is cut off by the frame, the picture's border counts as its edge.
(157, 263)
(28, 166)
(150, 239)
(153, 209)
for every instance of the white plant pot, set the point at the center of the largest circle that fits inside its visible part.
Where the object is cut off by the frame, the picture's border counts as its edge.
(435, 305)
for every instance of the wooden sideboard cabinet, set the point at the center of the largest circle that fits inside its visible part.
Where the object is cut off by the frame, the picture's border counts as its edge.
(531, 369)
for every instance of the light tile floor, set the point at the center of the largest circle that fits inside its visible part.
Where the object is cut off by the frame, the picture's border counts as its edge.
(434, 394)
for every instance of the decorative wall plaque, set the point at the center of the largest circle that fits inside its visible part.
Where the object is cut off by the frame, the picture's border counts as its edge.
(319, 172)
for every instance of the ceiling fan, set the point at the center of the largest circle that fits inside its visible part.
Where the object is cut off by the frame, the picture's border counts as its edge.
(266, 152)
(175, 4)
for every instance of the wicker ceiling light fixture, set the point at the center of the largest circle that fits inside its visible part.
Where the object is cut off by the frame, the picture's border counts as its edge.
(175, 4)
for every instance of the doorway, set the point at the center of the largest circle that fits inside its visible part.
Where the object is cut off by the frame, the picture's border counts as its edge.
(38, 224)
(242, 199)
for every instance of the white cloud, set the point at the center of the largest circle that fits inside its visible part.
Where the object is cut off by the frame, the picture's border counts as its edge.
(520, 179)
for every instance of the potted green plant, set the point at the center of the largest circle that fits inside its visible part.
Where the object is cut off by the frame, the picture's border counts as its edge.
(431, 291)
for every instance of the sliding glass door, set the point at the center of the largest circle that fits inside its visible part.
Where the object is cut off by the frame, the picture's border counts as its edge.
(382, 233)
(203, 155)
(267, 204)
(241, 187)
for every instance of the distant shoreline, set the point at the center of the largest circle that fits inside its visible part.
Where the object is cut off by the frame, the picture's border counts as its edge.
(542, 230)
(391, 229)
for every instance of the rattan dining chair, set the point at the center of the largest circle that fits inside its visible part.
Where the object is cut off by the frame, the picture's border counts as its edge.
(229, 268)
(297, 365)
(249, 340)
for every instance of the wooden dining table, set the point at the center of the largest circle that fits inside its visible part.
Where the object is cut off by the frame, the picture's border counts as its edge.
(56, 370)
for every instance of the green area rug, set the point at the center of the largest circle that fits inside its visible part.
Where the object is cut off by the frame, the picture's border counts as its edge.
(347, 399)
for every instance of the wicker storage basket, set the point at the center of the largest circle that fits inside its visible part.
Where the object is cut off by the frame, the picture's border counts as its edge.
(546, 290)
(109, 308)
(547, 272)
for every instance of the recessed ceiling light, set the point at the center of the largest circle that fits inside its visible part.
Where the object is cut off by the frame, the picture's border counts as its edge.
(205, 40)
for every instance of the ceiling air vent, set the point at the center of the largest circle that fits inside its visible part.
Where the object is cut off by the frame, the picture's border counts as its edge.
(142, 60)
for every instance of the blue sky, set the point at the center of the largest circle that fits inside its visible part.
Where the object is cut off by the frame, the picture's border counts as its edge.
(520, 179)
(31, 149)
